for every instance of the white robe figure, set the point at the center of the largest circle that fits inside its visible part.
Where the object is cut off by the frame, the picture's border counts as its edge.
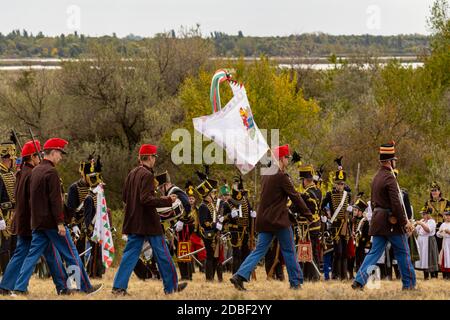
(423, 242)
(445, 245)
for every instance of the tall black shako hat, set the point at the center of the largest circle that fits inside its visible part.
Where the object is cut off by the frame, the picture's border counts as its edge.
(340, 174)
(206, 185)
(91, 169)
(162, 178)
(305, 171)
(387, 151)
(238, 191)
(190, 188)
(360, 204)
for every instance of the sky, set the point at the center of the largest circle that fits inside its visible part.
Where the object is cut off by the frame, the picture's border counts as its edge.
(252, 17)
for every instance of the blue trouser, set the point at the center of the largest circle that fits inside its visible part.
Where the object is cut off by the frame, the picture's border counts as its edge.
(287, 246)
(327, 264)
(130, 257)
(401, 253)
(52, 258)
(66, 248)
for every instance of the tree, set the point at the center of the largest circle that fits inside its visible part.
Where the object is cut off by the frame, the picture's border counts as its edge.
(28, 100)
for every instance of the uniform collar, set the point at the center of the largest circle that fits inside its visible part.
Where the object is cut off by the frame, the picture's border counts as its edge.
(385, 168)
(147, 167)
(46, 161)
(29, 165)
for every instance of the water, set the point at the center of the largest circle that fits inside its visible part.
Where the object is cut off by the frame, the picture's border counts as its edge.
(330, 66)
(52, 64)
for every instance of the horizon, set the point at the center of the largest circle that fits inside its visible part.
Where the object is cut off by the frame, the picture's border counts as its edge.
(286, 17)
(33, 34)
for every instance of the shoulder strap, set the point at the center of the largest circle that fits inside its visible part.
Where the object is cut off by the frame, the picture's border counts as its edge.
(338, 209)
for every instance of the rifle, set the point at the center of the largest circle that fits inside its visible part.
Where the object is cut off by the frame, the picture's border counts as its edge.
(15, 139)
(357, 183)
(35, 145)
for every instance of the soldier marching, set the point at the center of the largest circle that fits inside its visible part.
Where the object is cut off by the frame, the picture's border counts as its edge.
(314, 231)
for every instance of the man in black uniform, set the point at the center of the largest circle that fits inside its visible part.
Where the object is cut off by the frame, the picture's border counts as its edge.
(313, 198)
(210, 227)
(360, 230)
(239, 223)
(183, 227)
(82, 203)
(339, 212)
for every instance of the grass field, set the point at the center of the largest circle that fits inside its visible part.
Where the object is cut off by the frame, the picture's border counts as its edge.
(261, 289)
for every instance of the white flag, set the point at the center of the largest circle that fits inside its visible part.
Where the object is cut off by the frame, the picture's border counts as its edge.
(234, 129)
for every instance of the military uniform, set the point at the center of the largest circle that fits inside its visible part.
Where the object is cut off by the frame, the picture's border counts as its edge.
(82, 203)
(210, 227)
(195, 236)
(143, 223)
(387, 223)
(239, 224)
(272, 220)
(361, 231)
(22, 228)
(436, 207)
(47, 215)
(183, 227)
(7, 204)
(312, 196)
(339, 206)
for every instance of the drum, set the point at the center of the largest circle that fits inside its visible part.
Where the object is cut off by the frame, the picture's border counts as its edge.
(171, 213)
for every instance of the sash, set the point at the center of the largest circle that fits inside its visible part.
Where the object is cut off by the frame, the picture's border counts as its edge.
(338, 209)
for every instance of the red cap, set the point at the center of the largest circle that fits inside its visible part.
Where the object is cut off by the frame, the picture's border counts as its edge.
(148, 150)
(29, 149)
(55, 144)
(281, 151)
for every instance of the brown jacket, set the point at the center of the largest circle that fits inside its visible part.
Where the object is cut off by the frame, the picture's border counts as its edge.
(22, 223)
(273, 214)
(47, 209)
(141, 202)
(385, 196)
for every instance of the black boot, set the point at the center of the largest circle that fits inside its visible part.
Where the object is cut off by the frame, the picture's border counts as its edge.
(238, 282)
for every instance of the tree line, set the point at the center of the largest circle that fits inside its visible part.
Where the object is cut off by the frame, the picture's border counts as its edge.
(23, 44)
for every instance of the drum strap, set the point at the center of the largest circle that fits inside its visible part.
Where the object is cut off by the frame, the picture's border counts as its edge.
(338, 209)
(174, 189)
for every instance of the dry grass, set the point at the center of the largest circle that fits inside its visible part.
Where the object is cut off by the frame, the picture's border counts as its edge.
(261, 289)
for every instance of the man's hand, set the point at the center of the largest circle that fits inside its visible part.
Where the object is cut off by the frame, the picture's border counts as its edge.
(2, 225)
(324, 219)
(179, 226)
(221, 218)
(173, 197)
(409, 228)
(61, 230)
(253, 214)
(349, 208)
(76, 231)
